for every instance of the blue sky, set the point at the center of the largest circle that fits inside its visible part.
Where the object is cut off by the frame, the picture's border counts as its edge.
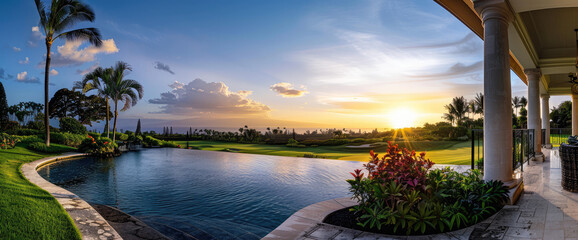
(292, 63)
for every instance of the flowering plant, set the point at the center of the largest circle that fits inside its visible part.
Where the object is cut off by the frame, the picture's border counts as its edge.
(8, 141)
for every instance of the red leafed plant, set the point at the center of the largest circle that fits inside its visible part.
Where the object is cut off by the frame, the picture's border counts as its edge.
(401, 166)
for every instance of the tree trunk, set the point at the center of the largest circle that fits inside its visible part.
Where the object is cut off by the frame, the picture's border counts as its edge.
(46, 74)
(115, 117)
(107, 119)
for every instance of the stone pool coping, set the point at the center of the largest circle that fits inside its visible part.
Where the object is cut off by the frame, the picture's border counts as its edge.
(307, 223)
(90, 223)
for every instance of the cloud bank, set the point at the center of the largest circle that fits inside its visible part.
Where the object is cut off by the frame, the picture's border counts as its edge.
(286, 90)
(163, 67)
(207, 97)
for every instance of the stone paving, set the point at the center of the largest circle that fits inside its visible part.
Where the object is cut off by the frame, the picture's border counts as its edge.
(544, 211)
(91, 224)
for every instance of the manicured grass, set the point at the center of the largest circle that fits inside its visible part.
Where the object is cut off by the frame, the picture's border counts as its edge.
(441, 152)
(27, 211)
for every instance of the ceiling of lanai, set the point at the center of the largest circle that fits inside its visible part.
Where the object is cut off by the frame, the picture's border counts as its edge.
(541, 36)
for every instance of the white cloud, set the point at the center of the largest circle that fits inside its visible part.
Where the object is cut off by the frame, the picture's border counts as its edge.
(286, 90)
(71, 54)
(25, 61)
(53, 72)
(35, 37)
(16, 49)
(207, 97)
(22, 75)
(24, 78)
(88, 70)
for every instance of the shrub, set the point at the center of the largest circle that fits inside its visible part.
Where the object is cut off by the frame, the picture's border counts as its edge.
(399, 194)
(8, 141)
(294, 143)
(151, 141)
(71, 125)
(169, 144)
(30, 139)
(41, 147)
(24, 132)
(94, 135)
(67, 139)
(99, 147)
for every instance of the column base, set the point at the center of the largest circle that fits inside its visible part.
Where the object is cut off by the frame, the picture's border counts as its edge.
(539, 157)
(516, 187)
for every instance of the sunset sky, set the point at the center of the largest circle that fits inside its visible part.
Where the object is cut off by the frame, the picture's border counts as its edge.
(300, 63)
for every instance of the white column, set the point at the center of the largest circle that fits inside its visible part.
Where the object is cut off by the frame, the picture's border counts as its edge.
(546, 117)
(574, 114)
(534, 75)
(497, 91)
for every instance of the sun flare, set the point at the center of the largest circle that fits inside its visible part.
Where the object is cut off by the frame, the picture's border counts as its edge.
(402, 118)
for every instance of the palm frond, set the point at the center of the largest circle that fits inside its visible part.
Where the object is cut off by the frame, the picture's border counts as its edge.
(42, 12)
(90, 34)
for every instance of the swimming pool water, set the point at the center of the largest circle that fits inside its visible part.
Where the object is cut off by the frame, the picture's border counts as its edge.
(204, 194)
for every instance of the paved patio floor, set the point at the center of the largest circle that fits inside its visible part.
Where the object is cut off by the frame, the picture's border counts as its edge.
(544, 211)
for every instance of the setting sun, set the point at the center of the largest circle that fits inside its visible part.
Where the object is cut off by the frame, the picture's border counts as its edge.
(402, 118)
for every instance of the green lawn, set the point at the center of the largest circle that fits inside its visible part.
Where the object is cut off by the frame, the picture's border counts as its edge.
(26, 211)
(441, 152)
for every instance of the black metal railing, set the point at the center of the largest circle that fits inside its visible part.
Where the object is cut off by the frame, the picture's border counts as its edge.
(522, 151)
(477, 149)
(557, 136)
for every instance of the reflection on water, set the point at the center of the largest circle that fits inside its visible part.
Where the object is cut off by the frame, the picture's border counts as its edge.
(204, 194)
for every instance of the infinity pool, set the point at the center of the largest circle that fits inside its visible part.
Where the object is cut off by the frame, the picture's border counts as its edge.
(202, 194)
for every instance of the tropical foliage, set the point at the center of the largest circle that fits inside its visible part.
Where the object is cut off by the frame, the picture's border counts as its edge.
(3, 108)
(101, 146)
(400, 195)
(111, 84)
(70, 103)
(71, 125)
(56, 22)
(562, 115)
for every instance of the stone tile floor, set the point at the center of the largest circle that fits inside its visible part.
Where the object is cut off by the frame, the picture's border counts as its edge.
(544, 211)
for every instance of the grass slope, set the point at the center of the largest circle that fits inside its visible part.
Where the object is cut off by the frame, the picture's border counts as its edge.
(27, 211)
(441, 152)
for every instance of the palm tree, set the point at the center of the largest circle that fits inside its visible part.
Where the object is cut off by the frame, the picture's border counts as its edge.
(523, 102)
(61, 16)
(449, 117)
(100, 79)
(479, 101)
(458, 108)
(516, 104)
(125, 90)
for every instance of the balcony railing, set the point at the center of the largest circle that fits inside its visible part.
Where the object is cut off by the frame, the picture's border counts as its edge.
(522, 151)
(557, 136)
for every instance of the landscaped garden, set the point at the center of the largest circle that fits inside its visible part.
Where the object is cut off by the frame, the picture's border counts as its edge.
(399, 194)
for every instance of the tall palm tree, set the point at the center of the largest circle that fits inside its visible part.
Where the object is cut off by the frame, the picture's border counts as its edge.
(516, 104)
(125, 90)
(55, 22)
(99, 80)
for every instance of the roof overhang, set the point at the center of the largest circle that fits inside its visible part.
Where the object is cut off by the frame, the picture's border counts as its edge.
(541, 35)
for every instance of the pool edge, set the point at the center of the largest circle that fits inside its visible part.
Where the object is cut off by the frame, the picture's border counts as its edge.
(88, 221)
